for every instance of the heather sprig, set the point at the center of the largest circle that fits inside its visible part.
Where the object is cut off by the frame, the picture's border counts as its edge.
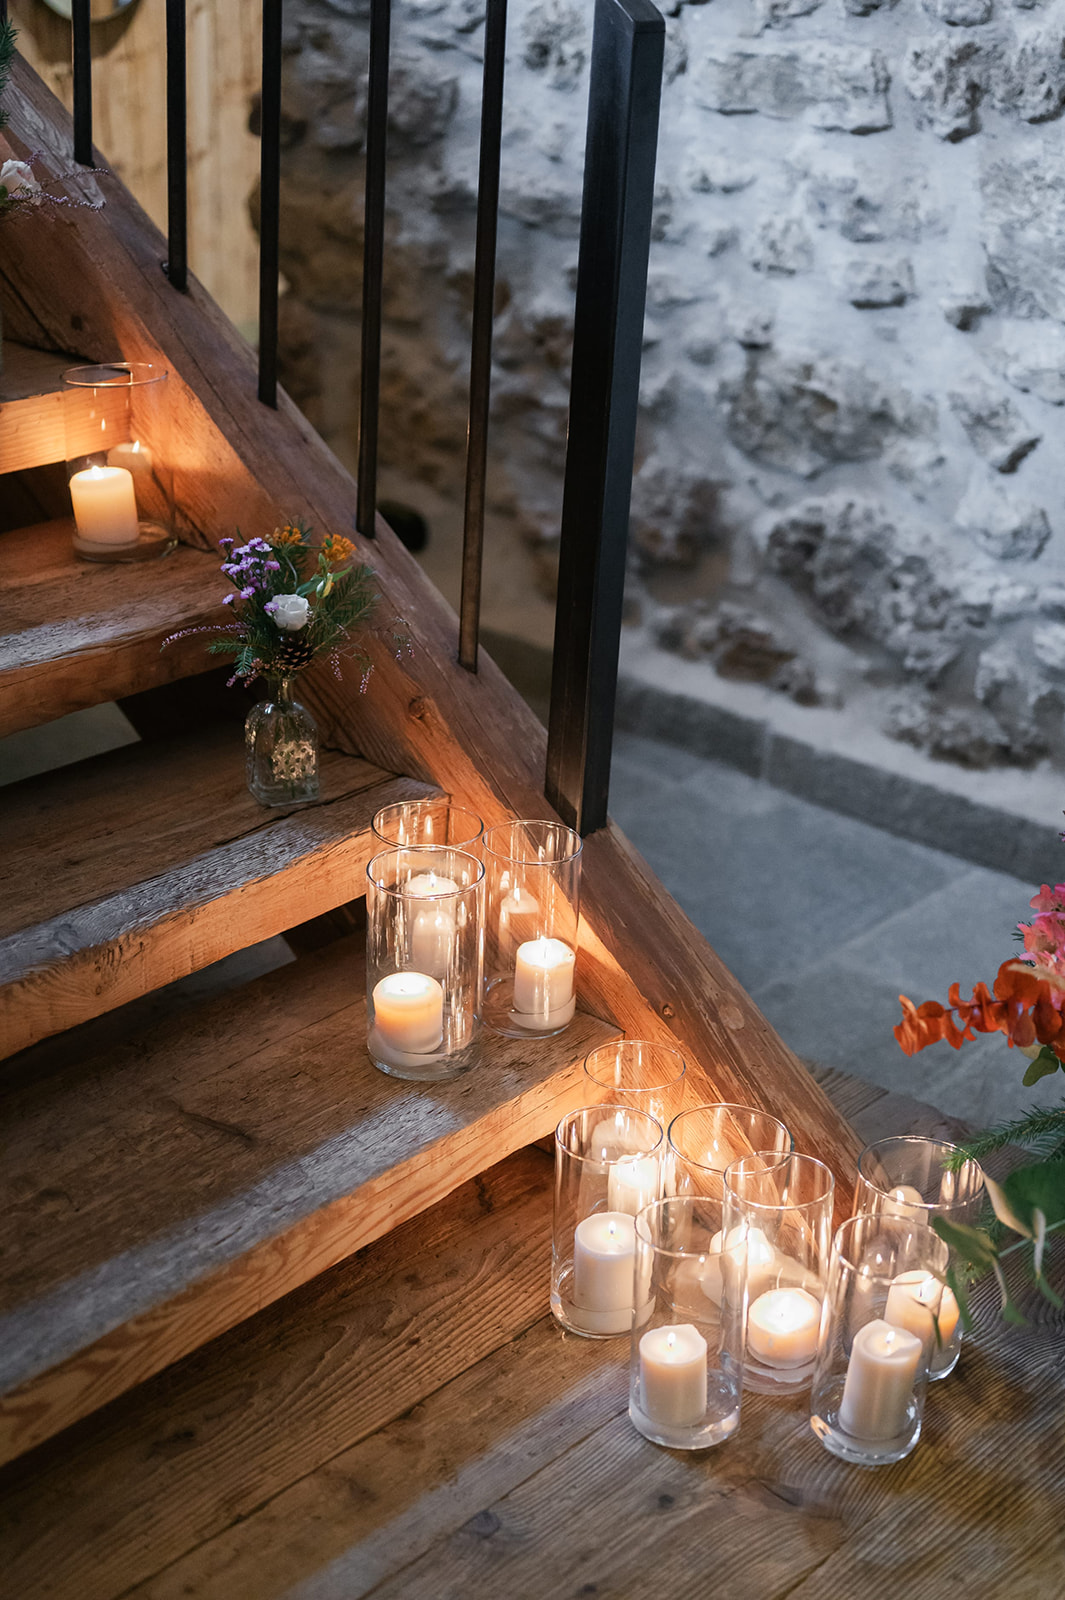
(292, 601)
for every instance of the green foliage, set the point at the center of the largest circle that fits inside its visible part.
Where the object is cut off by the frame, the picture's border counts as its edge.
(1045, 1063)
(340, 596)
(8, 35)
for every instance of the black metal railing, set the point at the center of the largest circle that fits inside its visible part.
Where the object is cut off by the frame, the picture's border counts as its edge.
(626, 76)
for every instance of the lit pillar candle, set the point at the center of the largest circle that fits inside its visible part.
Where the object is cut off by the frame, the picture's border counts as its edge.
(782, 1327)
(433, 925)
(544, 995)
(519, 912)
(722, 1264)
(900, 1199)
(408, 1012)
(673, 1376)
(135, 457)
(912, 1303)
(105, 506)
(879, 1384)
(631, 1185)
(604, 1252)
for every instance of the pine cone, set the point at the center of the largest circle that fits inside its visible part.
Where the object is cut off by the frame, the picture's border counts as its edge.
(292, 652)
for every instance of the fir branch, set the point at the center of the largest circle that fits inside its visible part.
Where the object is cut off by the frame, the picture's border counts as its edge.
(1041, 1130)
(8, 35)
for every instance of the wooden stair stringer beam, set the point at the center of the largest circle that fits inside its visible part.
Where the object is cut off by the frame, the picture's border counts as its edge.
(643, 964)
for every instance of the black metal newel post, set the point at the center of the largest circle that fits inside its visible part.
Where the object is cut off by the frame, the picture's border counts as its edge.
(81, 27)
(373, 256)
(269, 200)
(177, 254)
(619, 170)
(484, 283)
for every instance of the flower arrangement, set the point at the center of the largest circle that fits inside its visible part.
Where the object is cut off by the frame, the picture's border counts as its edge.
(292, 602)
(1026, 1003)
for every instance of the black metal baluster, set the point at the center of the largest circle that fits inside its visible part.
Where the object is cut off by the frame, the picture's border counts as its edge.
(81, 23)
(484, 284)
(177, 259)
(269, 201)
(373, 263)
(626, 80)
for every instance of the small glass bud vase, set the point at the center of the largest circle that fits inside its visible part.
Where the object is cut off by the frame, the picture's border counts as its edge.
(281, 747)
(781, 1207)
(686, 1361)
(878, 1337)
(532, 911)
(119, 467)
(910, 1176)
(424, 961)
(608, 1166)
(704, 1140)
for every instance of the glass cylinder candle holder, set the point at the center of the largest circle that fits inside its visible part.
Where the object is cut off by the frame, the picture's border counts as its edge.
(686, 1363)
(608, 1166)
(424, 961)
(119, 465)
(638, 1072)
(704, 1140)
(782, 1208)
(878, 1335)
(908, 1176)
(532, 911)
(409, 824)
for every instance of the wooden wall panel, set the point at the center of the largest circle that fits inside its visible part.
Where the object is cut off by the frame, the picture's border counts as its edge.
(129, 90)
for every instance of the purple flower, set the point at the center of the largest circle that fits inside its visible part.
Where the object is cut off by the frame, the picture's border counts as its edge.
(272, 566)
(228, 599)
(224, 544)
(247, 594)
(270, 606)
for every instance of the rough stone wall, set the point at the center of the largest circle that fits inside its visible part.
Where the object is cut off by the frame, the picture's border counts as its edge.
(849, 469)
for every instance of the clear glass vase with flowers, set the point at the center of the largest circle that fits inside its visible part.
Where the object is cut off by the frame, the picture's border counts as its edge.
(293, 602)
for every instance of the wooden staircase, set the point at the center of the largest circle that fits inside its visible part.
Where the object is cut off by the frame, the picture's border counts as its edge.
(173, 1165)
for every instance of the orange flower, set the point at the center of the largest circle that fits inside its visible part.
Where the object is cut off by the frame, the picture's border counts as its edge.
(1026, 1008)
(337, 549)
(286, 537)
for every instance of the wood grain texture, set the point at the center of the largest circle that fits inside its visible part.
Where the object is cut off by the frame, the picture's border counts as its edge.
(172, 1464)
(341, 1446)
(134, 869)
(155, 1197)
(642, 962)
(39, 421)
(77, 633)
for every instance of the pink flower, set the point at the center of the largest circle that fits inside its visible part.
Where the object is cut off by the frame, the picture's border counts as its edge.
(1049, 899)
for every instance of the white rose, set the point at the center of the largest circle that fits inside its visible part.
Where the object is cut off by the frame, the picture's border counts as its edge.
(16, 175)
(291, 612)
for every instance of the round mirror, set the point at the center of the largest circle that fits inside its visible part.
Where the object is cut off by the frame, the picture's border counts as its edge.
(99, 10)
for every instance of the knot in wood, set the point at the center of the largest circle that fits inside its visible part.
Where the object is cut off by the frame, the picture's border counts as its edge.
(668, 1012)
(418, 707)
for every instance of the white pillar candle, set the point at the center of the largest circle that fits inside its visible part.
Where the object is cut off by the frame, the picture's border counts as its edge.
(722, 1269)
(433, 927)
(673, 1376)
(135, 457)
(912, 1302)
(604, 1252)
(782, 1327)
(105, 506)
(879, 1384)
(544, 995)
(408, 1012)
(900, 1199)
(631, 1185)
(519, 912)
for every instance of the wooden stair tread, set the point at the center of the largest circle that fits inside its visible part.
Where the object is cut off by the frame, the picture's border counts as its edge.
(40, 420)
(76, 633)
(26, 373)
(132, 869)
(154, 1197)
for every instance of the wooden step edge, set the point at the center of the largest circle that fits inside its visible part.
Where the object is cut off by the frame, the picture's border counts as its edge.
(96, 957)
(525, 1102)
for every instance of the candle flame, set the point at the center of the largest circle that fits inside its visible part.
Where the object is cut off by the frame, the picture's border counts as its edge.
(671, 1340)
